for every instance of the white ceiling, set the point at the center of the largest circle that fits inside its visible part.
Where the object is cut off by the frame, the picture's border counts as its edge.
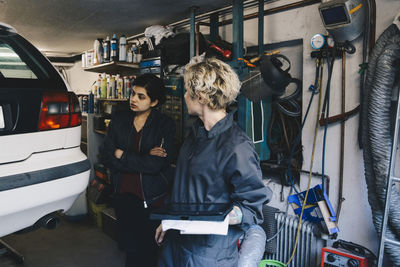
(71, 26)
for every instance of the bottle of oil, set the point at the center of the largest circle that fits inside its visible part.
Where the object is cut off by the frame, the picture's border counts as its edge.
(106, 50)
(103, 87)
(114, 48)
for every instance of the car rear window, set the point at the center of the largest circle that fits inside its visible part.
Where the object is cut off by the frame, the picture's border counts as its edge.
(11, 64)
(22, 66)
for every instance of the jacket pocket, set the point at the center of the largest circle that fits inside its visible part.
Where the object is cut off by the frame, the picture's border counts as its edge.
(155, 186)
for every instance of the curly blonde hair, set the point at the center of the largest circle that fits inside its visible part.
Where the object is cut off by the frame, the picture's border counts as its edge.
(213, 80)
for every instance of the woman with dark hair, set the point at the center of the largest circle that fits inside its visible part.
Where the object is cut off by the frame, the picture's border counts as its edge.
(138, 149)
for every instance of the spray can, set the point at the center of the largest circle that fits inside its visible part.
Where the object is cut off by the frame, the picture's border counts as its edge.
(106, 50)
(122, 48)
(114, 48)
(103, 87)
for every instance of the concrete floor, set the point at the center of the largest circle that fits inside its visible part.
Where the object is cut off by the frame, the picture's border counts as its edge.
(72, 244)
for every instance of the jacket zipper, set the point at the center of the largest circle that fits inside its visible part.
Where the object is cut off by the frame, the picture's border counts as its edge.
(140, 174)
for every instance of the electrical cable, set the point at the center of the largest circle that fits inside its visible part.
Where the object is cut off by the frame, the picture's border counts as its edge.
(311, 167)
(290, 100)
(284, 130)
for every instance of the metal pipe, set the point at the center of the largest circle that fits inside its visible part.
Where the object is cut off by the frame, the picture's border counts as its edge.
(372, 26)
(342, 136)
(214, 27)
(197, 31)
(275, 10)
(247, 4)
(260, 27)
(192, 31)
(221, 11)
(49, 222)
(326, 177)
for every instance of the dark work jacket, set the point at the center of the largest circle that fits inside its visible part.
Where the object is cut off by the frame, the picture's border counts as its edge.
(218, 166)
(155, 172)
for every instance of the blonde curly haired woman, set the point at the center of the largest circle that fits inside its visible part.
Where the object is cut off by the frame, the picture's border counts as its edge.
(217, 164)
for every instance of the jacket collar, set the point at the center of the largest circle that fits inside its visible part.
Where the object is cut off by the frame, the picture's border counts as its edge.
(153, 114)
(218, 128)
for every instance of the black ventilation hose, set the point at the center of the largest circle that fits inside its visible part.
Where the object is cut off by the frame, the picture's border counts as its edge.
(377, 134)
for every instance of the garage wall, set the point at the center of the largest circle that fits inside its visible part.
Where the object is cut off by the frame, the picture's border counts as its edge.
(355, 222)
(80, 81)
(355, 219)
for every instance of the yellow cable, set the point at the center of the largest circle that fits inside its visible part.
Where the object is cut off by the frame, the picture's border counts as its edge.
(311, 164)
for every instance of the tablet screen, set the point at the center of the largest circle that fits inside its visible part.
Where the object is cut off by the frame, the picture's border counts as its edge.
(193, 211)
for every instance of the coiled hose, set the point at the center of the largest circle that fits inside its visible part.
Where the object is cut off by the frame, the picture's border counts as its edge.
(377, 133)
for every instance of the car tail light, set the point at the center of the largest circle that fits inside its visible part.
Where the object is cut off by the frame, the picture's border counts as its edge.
(59, 110)
(75, 110)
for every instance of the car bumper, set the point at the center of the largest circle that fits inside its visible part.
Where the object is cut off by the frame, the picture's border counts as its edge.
(29, 196)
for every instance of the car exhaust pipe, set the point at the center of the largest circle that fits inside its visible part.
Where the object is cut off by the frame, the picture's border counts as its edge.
(49, 221)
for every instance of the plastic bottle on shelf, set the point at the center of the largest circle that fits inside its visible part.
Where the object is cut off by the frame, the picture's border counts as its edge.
(130, 55)
(97, 93)
(120, 83)
(134, 49)
(114, 48)
(127, 86)
(103, 87)
(98, 51)
(112, 86)
(108, 86)
(106, 50)
(122, 48)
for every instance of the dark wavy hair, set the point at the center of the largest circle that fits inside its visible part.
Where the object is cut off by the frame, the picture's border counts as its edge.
(154, 87)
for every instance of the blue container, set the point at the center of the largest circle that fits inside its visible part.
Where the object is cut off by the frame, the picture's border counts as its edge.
(91, 103)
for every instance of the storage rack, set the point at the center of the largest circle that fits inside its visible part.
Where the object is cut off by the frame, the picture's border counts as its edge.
(114, 67)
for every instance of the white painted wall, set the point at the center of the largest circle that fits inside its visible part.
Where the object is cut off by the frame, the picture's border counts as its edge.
(355, 219)
(80, 81)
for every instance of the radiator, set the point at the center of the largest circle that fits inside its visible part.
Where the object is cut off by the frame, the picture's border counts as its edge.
(309, 247)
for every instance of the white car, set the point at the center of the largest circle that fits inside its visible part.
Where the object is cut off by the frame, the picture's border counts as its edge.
(42, 168)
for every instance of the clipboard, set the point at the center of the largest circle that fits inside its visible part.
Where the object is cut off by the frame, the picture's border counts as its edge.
(192, 211)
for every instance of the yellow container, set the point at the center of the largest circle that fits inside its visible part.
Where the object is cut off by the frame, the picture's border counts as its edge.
(95, 212)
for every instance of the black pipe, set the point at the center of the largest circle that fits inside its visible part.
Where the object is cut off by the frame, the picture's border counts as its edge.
(377, 133)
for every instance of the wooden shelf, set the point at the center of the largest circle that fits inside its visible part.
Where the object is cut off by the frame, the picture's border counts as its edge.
(113, 99)
(114, 67)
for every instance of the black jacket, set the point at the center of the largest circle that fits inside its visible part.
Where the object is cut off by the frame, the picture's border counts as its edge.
(221, 166)
(156, 172)
(218, 166)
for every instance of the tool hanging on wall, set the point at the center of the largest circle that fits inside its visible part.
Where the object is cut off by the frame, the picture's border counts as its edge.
(304, 206)
(344, 48)
(331, 52)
